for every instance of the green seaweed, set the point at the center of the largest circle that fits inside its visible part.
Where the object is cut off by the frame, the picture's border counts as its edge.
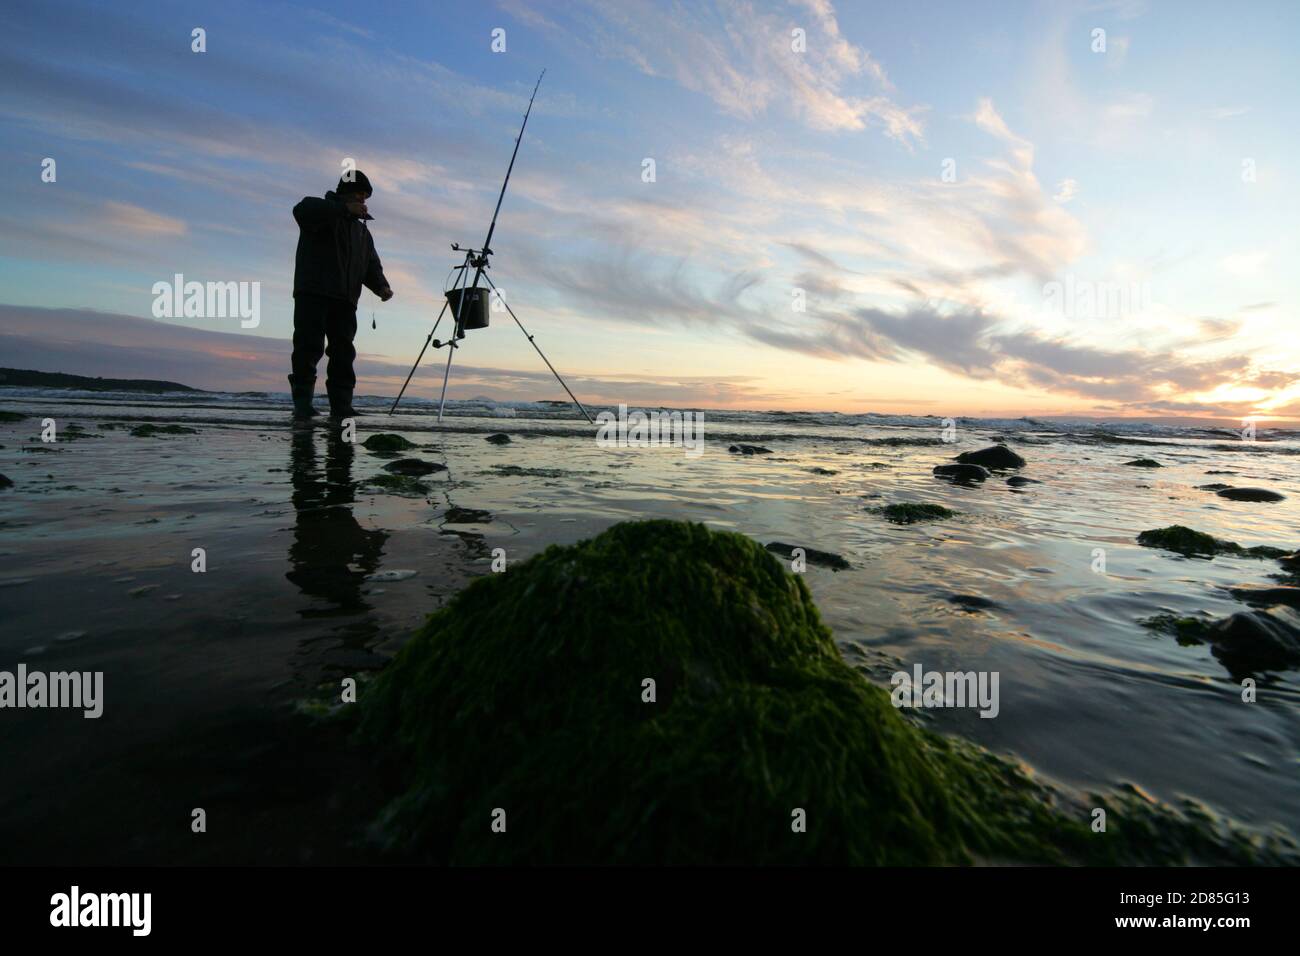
(1191, 543)
(911, 513)
(526, 693)
(385, 441)
(1188, 630)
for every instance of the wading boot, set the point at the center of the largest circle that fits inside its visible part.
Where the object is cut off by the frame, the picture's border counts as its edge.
(341, 404)
(302, 410)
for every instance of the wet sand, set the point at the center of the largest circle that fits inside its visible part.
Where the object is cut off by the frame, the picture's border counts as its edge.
(306, 584)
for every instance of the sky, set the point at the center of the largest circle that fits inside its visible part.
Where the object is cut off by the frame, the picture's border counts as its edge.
(946, 208)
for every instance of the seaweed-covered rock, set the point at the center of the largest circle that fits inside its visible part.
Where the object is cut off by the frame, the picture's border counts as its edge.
(498, 439)
(961, 474)
(996, 457)
(1216, 486)
(11, 417)
(1250, 494)
(414, 467)
(1188, 630)
(823, 558)
(386, 441)
(527, 695)
(739, 449)
(1191, 543)
(910, 512)
(1143, 463)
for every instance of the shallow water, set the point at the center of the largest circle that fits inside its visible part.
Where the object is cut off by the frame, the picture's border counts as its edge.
(293, 539)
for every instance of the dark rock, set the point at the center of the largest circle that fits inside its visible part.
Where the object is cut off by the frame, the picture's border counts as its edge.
(971, 602)
(1252, 641)
(1250, 494)
(996, 457)
(823, 471)
(1144, 463)
(961, 474)
(413, 467)
(6, 482)
(812, 555)
(1016, 481)
(1268, 596)
(498, 439)
(749, 450)
(456, 515)
(1217, 486)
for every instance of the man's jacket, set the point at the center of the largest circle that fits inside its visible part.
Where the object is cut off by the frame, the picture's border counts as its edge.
(336, 255)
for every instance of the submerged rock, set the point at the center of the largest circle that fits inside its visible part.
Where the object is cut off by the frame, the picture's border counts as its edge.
(1016, 481)
(961, 474)
(749, 450)
(6, 482)
(997, 457)
(910, 512)
(1144, 463)
(971, 602)
(823, 471)
(399, 485)
(386, 441)
(455, 515)
(1250, 494)
(11, 417)
(498, 439)
(415, 467)
(823, 558)
(667, 694)
(1216, 486)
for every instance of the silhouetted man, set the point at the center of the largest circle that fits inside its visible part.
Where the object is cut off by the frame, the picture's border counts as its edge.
(336, 257)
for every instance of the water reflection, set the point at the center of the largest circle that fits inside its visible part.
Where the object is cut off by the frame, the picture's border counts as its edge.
(331, 553)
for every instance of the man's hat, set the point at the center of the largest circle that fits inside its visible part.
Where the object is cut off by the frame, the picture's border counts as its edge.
(354, 181)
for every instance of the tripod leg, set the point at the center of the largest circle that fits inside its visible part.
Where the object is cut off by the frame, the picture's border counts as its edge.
(539, 350)
(451, 350)
(418, 360)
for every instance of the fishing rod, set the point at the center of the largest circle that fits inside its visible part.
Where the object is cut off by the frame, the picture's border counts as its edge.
(467, 292)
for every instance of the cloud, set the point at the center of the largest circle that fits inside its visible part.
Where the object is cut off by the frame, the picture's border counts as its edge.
(1066, 190)
(124, 216)
(742, 59)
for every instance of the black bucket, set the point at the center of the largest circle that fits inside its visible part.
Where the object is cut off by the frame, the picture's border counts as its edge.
(474, 313)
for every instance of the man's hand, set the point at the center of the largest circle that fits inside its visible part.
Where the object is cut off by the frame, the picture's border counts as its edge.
(385, 294)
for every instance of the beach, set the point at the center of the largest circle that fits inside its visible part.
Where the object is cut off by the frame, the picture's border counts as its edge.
(313, 573)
